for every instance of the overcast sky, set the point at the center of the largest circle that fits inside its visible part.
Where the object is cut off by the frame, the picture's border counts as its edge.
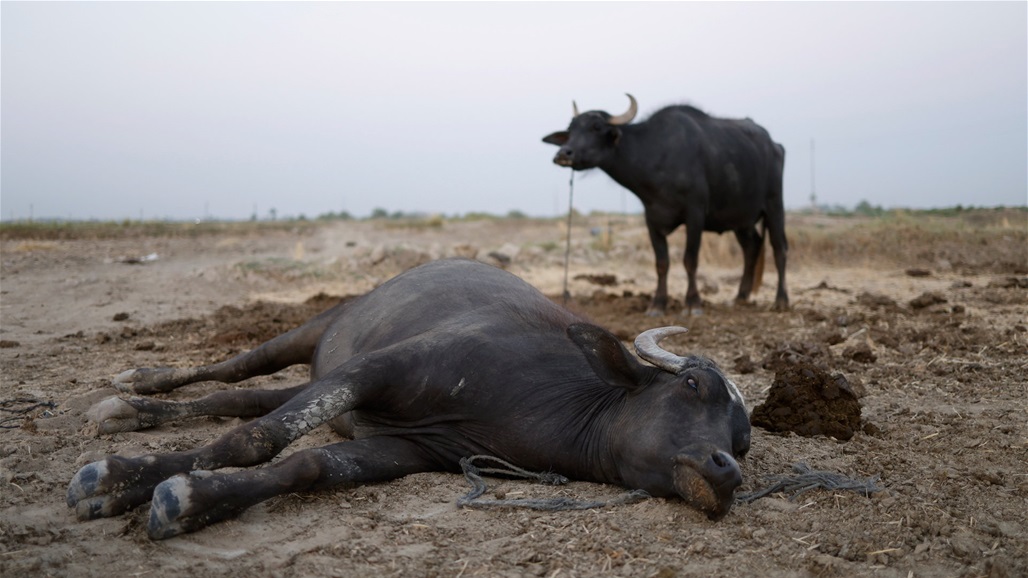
(181, 110)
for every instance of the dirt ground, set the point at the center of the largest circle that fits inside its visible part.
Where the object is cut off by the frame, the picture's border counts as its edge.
(925, 317)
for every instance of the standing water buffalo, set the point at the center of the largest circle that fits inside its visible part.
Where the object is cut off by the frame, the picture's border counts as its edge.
(448, 360)
(710, 174)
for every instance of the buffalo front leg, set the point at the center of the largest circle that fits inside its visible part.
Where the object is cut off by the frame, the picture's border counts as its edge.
(116, 414)
(659, 241)
(189, 502)
(693, 238)
(116, 484)
(290, 348)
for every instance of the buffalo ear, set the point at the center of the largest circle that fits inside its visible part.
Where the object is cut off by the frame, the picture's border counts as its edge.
(558, 138)
(613, 134)
(608, 357)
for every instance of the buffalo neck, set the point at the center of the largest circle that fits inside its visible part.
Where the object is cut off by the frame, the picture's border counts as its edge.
(591, 427)
(632, 166)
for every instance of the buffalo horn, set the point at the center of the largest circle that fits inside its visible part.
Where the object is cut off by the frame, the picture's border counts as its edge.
(627, 117)
(647, 345)
(574, 109)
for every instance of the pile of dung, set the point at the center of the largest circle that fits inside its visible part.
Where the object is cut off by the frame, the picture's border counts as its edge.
(807, 400)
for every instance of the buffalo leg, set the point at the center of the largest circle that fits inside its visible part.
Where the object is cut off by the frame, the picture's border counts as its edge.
(291, 348)
(751, 242)
(115, 414)
(659, 241)
(780, 245)
(189, 502)
(693, 238)
(774, 219)
(116, 484)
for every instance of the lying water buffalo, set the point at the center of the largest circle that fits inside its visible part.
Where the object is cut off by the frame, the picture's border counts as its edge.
(451, 359)
(710, 174)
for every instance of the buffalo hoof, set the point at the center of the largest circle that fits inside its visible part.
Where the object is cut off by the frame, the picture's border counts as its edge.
(112, 486)
(85, 483)
(169, 508)
(780, 306)
(114, 415)
(146, 380)
(175, 509)
(96, 491)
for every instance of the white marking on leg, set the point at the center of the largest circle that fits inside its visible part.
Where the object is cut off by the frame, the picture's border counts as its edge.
(319, 410)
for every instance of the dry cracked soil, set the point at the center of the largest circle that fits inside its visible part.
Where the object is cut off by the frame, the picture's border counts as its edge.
(923, 318)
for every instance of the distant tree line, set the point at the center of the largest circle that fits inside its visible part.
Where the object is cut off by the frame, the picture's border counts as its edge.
(865, 209)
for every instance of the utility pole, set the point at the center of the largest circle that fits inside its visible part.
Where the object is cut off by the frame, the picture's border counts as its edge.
(813, 195)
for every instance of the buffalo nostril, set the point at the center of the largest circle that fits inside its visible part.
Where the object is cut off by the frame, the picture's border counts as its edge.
(719, 460)
(722, 470)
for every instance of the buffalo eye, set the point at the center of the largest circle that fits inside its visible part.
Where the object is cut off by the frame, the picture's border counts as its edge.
(692, 383)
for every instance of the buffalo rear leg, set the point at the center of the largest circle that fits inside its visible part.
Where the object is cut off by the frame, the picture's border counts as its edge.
(774, 220)
(115, 414)
(189, 502)
(780, 246)
(290, 348)
(752, 244)
(115, 484)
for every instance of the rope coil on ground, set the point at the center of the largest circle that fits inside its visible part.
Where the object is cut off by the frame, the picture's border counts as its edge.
(473, 499)
(21, 407)
(807, 479)
(804, 481)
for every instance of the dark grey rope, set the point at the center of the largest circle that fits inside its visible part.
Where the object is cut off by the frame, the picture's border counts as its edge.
(567, 247)
(21, 407)
(807, 479)
(473, 499)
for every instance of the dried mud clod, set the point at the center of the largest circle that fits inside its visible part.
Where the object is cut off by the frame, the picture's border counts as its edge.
(601, 279)
(807, 400)
(789, 354)
(861, 353)
(927, 299)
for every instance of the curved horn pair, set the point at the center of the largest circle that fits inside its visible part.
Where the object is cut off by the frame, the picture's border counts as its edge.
(648, 348)
(624, 118)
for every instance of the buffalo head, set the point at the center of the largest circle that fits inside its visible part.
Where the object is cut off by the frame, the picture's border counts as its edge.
(590, 137)
(684, 422)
